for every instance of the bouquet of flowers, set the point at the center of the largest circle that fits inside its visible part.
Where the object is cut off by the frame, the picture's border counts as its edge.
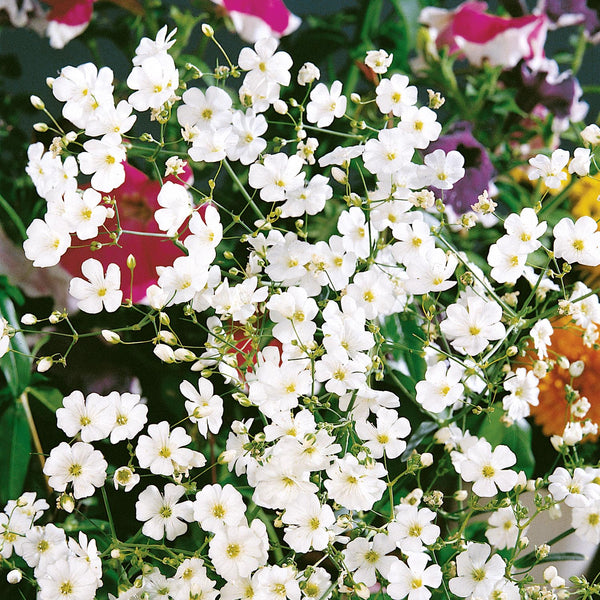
(358, 320)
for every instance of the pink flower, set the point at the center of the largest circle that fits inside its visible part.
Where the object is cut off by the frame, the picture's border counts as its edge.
(256, 19)
(137, 203)
(480, 37)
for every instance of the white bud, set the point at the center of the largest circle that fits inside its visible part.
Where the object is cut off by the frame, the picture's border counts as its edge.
(14, 576)
(29, 319)
(165, 353)
(557, 442)
(563, 362)
(110, 336)
(354, 97)
(167, 337)
(44, 364)
(339, 175)
(426, 459)
(591, 134)
(184, 355)
(207, 30)
(280, 107)
(576, 368)
(550, 573)
(37, 102)
(66, 502)
(308, 73)
(115, 553)
(40, 127)
(461, 495)
(70, 136)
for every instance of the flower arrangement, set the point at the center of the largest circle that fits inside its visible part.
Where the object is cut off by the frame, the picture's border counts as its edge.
(343, 315)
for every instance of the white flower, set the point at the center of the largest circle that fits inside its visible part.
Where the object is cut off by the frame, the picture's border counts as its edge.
(100, 290)
(177, 206)
(476, 575)
(378, 61)
(154, 80)
(326, 104)
(46, 242)
(203, 406)
(471, 327)
(364, 558)
(581, 162)
(355, 486)
(586, 521)
(277, 583)
(265, 65)
(395, 95)
(164, 515)
(307, 523)
(503, 529)
(103, 159)
(78, 464)
(92, 418)
(278, 174)
(126, 478)
(525, 229)
(43, 546)
(68, 579)
(147, 47)
(540, 334)
(551, 170)
(523, 388)
(206, 111)
(237, 551)
(308, 73)
(413, 528)
(420, 127)
(130, 416)
(443, 170)
(162, 451)
(387, 437)
(488, 469)
(577, 242)
(413, 578)
(441, 387)
(84, 213)
(217, 506)
(506, 261)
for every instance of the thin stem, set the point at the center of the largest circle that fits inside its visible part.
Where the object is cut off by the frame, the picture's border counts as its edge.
(246, 195)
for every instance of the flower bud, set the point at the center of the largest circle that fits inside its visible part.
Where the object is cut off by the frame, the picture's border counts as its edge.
(226, 457)
(354, 97)
(550, 573)
(308, 73)
(339, 175)
(207, 30)
(115, 553)
(37, 102)
(167, 337)
(14, 576)
(591, 134)
(185, 355)
(131, 262)
(29, 319)
(426, 459)
(66, 502)
(563, 362)
(576, 368)
(280, 107)
(165, 353)
(461, 495)
(40, 127)
(362, 591)
(44, 364)
(110, 336)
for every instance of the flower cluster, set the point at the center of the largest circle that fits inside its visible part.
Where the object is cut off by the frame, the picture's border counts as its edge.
(326, 369)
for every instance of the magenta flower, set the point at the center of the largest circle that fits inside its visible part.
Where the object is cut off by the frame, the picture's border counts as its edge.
(256, 19)
(480, 36)
(137, 203)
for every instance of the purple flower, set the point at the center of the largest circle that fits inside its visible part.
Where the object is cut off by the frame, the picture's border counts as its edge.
(563, 13)
(478, 166)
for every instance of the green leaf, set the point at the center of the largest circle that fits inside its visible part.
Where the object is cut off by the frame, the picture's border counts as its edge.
(529, 559)
(51, 398)
(16, 366)
(517, 437)
(15, 448)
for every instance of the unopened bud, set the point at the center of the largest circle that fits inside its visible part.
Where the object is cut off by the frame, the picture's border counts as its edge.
(426, 459)
(115, 553)
(280, 107)
(354, 97)
(165, 353)
(167, 337)
(14, 576)
(110, 336)
(207, 30)
(185, 355)
(339, 175)
(29, 319)
(576, 368)
(37, 102)
(362, 591)
(164, 319)
(461, 495)
(44, 364)
(66, 502)
(40, 127)
(131, 262)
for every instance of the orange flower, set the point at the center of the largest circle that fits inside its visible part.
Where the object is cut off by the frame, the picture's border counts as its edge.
(552, 413)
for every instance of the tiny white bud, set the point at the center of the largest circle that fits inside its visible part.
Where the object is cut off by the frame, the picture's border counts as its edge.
(40, 127)
(426, 459)
(167, 337)
(591, 134)
(576, 368)
(563, 362)
(131, 262)
(44, 364)
(354, 97)
(461, 495)
(308, 73)
(184, 355)
(29, 319)
(165, 353)
(115, 553)
(339, 175)
(110, 336)
(70, 136)
(164, 318)
(280, 107)
(14, 576)
(207, 30)
(66, 502)
(37, 102)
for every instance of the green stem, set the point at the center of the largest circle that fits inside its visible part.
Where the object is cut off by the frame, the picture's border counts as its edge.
(113, 531)
(14, 216)
(242, 189)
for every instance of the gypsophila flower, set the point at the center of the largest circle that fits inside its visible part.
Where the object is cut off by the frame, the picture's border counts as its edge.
(100, 290)
(378, 61)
